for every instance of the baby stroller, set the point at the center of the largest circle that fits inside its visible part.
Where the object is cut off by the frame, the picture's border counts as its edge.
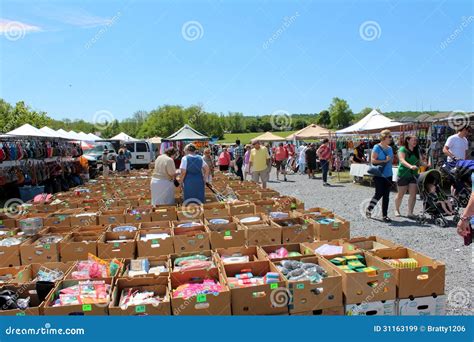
(432, 208)
(458, 175)
(291, 166)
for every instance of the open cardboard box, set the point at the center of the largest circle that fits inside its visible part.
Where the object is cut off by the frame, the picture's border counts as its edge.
(30, 273)
(339, 228)
(265, 206)
(7, 222)
(254, 253)
(310, 296)
(425, 280)
(99, 229)
(241, 208)
(364, 287)
(334, 311)
(295, 229)
(155, 247)
(248, 195)
(194, 239)
(86, 309)
(226, 235)
(314, 213)
(422, 306)
(31, 252)
(158, 285)
(376, 308)
(144, 214)
(290, 247)
(112, 216)
(10, 255)
(215, 210)
(85, 217)
(263, 219)
(207, 253)
(310, 248)
(164, 213)
(13, 274)
(268, 193)
(109, 246)
(59, 219)
(262, 234)
(24, 291)
(257, 299)
(371, 243)
(202, 304)
(153, 261)
(74, 268)
(192, 211)
(288, 203)
(77, 246)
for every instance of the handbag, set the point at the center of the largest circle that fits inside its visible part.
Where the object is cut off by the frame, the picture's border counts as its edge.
(376, 170)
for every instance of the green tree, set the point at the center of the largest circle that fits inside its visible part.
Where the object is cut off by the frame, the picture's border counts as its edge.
(324, 118)
(341, 114)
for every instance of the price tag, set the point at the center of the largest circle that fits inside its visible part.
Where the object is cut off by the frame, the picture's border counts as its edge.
(21, 314)
(387, 275)
(227, 233)
(335, 225)
(47, 246)
(200, 236)
(293, 205)
(1, 221)
(300, 286)
(86, 307)
(424, 269)
(116, 244)
(201, 298)
(154, 242)
(140, 308)
(273, 286)
(350, 247)
(147, 201)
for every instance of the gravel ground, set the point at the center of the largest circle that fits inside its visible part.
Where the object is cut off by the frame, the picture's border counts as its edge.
(350, 200)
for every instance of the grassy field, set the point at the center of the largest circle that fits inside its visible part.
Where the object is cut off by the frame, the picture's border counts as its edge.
(246, 137)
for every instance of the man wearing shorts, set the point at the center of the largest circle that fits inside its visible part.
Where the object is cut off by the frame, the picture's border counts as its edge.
(281, 157)
(259, 163)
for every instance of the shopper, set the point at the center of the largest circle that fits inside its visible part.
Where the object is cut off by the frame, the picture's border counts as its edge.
(208, 158)
(105, 163)
(128, 156)
(324, 154)
(382, 155)
(224, 160)
(239, 159)
(359, 154)
(310, 156)
(120, 161)
(302, 158)
(464, 227)
(409, 158)
(457, 144)
(259, 163)
(163, 178)
(247, 170)
(194, 173)
(281, 158)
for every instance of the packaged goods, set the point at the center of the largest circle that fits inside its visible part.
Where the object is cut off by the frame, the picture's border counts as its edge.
(85, 292)
(403, 263)
(136, 296)
(95, 267)
(11, 241)
(208, 286)
(124, 229)
(10, 300)
(193, 262)
(298, 271)
(247, 279)
(50, 275)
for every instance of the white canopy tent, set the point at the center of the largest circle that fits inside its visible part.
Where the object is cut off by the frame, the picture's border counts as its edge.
(50, 132)
(28, 130)
(93, 137)
(63, 133)
(123, 137)
(372, 122)
(74, 136)
(84, 136)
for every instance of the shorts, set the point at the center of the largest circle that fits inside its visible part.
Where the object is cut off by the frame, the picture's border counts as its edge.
(280, 164)
(260, 175)
(404, 181)
(127, 167)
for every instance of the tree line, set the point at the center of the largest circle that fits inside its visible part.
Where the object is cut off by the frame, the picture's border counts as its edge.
(166, 119)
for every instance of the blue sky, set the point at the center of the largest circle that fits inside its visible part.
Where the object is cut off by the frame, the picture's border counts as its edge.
(72, 59)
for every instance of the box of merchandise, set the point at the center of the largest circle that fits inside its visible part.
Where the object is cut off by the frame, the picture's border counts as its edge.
(155, 241)
(51, 272)
(95, 268)
(262, 234)
(371, 243)
(164, 213)
(10, 249)
(268, 193)
(146, 267)
(248, 195)
(140, 296)
(41, 248)
(315, 213)
(295, 229)
(89, 229)
(328, 248)
(138, 214)
(257, 288)
(25, 300)
(85, 217)
(417, 274)
(287, 203)
(60, 218)
(331, 228)
(194, 238)
(55, 230)
(365, 278)
(190, 211)
(310, 285)
(77, 246)
(215, 210)
(377, 308)
(265, 206)
(239, 255)
(7, 222)
(334, 311)
(241, 208)
(285, 251)
(117, 245)
(112, 216)
(224, 233)
(200, 293)
(250, 219)
(422, 306)
(181, 262)
(13, 274)
(79, 297)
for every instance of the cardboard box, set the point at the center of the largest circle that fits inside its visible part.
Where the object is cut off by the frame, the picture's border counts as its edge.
(195, 239)
(261, 235)
(288, 203)
(422, 306)
(75, 266)
(98, 309)
(338, 229)
(310, 248)
(248, 195)
(371, 243)
(13, 274)
(215, 210)
(61, 219)
(266, 299)
(265, 206)
(112, 216)
(154, 225)
(24, 291)
(203, 304)
(314, 213)
(90, 229)
(334, 311)
(240, 208)
(153, 262)
(378, 308)
(290, 247)
(78, 246)
(7, 222)
(361, 287)
(164, 213)
(159, 286)
(295, 229)
(30, 273)
(263, 219)
(310, 296)
(85, 218)
(10, 255)
(254, 253)
(31, 252)
(268, 193)
(226, 235)
(55, 230)
(192, 211)
(109, 247)
(144, 215)
(425, 280)
(209, 254)
(155, 247)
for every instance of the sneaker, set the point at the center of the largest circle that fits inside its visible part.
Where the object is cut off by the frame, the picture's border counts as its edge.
(284, 179)
(326, 184)
(368, 213)
(397, 213)
(387, 219)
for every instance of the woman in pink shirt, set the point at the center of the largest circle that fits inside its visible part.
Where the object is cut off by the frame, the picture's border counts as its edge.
(247, 170)
(224, 160)
(281, 156)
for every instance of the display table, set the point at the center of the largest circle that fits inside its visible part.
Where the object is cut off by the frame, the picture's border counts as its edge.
(360, 170)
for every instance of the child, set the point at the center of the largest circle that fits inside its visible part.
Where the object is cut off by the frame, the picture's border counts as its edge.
(444, 204)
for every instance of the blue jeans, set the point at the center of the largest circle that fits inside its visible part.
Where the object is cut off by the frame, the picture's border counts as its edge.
(325, 169)
(301, 167)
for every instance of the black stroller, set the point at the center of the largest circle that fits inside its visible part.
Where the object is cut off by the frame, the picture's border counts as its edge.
(434, 198)
(458, 175)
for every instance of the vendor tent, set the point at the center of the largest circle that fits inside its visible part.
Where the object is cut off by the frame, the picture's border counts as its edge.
(187, 133)
(51, 132)
(268, 136)
(312, 131)
(28, 130)
(74, 136)
(123, 137)
(93, 137)
(84, 136)
(372, 122)
(155, 140)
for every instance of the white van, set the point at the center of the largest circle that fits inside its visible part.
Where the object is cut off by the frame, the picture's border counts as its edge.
(141, 153)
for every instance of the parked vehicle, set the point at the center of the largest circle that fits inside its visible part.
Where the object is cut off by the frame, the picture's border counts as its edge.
(142, 153)
(94, 154)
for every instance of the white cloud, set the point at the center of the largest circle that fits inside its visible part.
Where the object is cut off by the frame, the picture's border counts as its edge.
(74, 17)
(8, 26)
